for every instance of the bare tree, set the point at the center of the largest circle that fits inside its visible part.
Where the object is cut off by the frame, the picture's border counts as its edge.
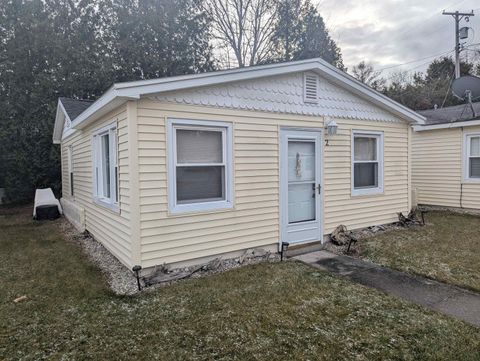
(244, 28)
(367, 75)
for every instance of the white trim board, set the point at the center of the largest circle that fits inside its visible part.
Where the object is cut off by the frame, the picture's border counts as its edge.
(466, 159)
(466, 123)
(121, 92)
(60, 118)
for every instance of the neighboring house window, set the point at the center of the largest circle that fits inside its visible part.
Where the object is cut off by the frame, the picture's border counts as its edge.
(200, 165)
(472, 159)
(367, 163)
(70, 167)
(105, 166)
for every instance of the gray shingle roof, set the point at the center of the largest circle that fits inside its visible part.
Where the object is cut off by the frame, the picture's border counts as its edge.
(456, 113)
(75, 107)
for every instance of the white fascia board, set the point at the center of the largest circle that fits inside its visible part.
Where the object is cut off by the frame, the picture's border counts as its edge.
(167, 85)
(345, 80)
(468, 123)
(106, 103)
(60, 118)
(246, 73)
(121, 92)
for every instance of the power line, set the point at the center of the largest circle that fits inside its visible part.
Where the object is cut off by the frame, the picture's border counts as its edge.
(448, 89)
(415, 61)
(414, 68)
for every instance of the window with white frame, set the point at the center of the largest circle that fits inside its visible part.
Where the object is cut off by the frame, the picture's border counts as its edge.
(105, 166)
(367, 162)
(472, 157)
(70, 167)
(200, 165)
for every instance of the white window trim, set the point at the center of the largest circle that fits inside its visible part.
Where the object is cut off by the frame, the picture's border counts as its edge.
(110, 203)
(227, 203)
(380, 144)
(70, 169)
(466, 158)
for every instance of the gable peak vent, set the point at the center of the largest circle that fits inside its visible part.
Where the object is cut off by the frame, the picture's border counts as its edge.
(310, 88)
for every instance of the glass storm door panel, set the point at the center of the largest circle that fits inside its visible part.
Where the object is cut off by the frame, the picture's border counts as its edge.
(301, 181)
(300, 185)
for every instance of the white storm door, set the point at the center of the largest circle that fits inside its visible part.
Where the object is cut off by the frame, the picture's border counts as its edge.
(300, 186)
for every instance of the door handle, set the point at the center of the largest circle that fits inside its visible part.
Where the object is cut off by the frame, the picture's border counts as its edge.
(319, 187)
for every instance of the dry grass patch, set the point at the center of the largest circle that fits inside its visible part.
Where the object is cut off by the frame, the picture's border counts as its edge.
(281, 311)
(447, 248)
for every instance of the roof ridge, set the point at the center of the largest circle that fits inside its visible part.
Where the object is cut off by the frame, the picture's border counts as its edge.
(77, 100)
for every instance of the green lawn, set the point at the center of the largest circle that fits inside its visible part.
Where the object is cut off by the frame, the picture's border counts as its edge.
(446, 249)
(281, 311)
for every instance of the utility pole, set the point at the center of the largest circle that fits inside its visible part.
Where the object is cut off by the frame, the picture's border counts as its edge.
(458, 16)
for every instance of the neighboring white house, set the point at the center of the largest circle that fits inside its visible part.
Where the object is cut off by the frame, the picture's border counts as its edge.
(183, 169)
(446, 157)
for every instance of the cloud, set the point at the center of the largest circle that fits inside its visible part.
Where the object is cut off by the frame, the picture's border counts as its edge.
(391, 32)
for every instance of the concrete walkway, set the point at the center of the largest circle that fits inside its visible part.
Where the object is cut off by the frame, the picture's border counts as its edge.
(450, 300)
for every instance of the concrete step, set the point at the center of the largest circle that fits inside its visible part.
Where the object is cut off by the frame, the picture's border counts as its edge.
(299, 249)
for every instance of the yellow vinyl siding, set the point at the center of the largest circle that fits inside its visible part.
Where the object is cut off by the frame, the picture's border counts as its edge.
(437, 168)
(362, 211)
(110, 228)
(254, 220)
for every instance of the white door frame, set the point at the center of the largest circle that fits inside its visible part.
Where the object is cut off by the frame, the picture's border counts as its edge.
(287, 133)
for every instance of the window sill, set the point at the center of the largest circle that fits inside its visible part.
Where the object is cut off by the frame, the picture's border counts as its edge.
(367, 192)
(471, 180)
(209, 207)
(110, 206)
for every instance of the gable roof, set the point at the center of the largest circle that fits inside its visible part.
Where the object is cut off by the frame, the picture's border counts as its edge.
(119, 93)
(450, 117)
(67, 109)
(74, 107)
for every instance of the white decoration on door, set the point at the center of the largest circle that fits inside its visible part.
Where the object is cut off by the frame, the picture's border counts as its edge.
(298, 167)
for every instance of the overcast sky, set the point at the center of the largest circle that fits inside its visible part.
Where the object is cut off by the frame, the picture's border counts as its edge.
(387, 33)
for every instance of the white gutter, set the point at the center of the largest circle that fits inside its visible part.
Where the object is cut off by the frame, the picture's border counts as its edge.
(467, 123)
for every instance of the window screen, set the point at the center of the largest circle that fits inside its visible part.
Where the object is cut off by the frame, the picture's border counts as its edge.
(200, 165)
(366, 161)
(106, 167)
(474, 158)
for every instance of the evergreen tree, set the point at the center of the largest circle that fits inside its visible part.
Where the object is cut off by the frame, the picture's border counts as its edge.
(301, 34)
(52, 48)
